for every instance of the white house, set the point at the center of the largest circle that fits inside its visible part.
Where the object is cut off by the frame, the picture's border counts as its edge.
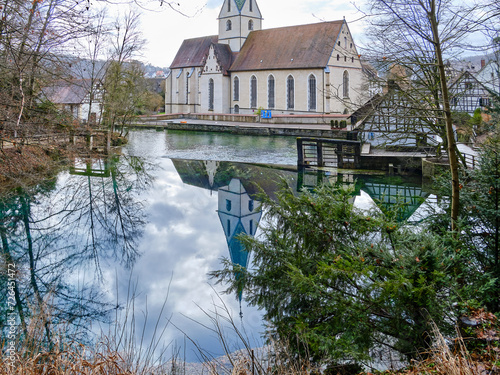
(76, 98)
(305, 69)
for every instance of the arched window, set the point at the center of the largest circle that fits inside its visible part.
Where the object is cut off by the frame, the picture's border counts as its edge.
(250, 25)
(345, 84)
(229, 25)
(270, 91)
(253, 92)
(290, 93)
(210, 94)
(236, 109)
(312, 93)
(236, 88)
(345, 42)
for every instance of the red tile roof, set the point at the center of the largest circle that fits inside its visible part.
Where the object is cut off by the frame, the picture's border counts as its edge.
(193, 52)
(294, 47)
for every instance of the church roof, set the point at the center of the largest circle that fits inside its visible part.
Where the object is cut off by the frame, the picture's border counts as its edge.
(224, 55)
(193, 52)
(293, 47)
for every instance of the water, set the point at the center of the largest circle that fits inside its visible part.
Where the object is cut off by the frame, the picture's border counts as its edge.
(140, 233)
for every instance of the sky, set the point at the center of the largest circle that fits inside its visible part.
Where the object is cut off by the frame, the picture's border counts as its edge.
(165, 29)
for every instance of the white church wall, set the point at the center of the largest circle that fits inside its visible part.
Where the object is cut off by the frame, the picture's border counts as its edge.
(301, 89)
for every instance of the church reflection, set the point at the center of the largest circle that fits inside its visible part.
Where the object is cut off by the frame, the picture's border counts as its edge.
(237, 184)
(239, 215)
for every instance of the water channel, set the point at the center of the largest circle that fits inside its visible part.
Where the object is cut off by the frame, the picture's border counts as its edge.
(139, 233)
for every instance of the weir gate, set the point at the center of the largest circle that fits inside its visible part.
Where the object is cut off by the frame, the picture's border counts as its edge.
(325, 152)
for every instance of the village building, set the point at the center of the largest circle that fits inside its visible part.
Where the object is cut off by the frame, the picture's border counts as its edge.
(391, 120)
(78, 98)
(306, 69)
(469, 92)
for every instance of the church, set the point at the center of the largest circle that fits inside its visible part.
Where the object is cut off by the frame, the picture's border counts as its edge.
(309, 69)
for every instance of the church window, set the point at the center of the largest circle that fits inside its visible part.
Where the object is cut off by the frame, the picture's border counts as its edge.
(338, 57)
(253, 92)
(270, 92)
(251, 227)
(290, 93)
(345, 58)
(228, 227)
(250, 205)
(346, 84)
(236, 88)
(229, 25)
(352, 59)
(228, 205)
(236, 109)
(229, 5)
(251, 5)
(250, 25)
(338, 43)
(345, 42)
(210, 94)
(312, 93)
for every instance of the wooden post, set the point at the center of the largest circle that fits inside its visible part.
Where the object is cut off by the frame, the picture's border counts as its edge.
(300, 152)
(319, 153)
(108, 141)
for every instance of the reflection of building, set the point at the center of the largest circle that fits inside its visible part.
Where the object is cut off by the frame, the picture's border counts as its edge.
(239, 215)
(405, 200)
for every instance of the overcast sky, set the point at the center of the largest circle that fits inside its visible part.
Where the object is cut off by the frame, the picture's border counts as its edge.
(165, 29)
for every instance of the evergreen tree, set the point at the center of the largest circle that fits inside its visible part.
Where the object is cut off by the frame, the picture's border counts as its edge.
(346, 282)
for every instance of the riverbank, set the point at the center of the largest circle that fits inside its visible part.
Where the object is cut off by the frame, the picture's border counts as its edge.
(27, 165)
(242, 128)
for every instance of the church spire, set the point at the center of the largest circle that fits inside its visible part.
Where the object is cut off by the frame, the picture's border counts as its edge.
(237, 19)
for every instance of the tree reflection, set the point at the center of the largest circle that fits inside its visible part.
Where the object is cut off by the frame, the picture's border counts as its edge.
(58, 234)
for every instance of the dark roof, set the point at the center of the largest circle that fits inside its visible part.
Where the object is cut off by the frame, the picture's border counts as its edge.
(294, 47)
(193, 52)
(67, 92)
(225, 56)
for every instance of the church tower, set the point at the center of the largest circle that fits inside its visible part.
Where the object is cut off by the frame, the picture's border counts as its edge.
(236, 19)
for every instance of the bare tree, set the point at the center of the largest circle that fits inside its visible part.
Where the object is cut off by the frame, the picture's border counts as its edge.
(418, 36)
(123, 76)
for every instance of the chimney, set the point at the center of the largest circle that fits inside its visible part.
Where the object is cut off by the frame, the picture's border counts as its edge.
(483, 63)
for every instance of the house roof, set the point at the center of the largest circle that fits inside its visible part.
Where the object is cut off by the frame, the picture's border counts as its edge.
(193, 52)
(293, 47)
(67, 92)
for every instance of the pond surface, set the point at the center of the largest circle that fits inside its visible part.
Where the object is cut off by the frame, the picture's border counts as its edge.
(133, 238)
